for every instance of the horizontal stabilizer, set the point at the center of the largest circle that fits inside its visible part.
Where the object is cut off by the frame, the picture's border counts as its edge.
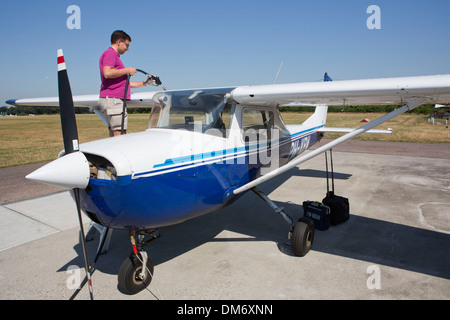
(348, 130)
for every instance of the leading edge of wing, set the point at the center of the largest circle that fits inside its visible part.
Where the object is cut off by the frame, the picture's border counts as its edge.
(79, 101)
(435, 88)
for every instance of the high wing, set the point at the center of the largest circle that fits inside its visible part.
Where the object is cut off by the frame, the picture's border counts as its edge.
(433, 89)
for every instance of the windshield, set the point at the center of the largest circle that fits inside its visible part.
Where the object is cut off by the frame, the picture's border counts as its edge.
(184, 109)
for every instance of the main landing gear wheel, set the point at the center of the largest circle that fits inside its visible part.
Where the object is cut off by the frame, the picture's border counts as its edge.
(129, 277)
(302, 236)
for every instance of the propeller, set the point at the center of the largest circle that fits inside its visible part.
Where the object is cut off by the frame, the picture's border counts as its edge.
(71, 170)
(71, 147)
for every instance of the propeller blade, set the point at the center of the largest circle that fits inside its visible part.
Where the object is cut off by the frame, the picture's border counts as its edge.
(92, 270)
(87, 267)
(71, 148)
(68, 121)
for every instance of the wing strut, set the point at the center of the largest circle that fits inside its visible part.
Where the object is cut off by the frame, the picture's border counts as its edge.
(410, 106)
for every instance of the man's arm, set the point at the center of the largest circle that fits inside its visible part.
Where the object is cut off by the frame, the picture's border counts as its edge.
(111, 73)
(139, 84)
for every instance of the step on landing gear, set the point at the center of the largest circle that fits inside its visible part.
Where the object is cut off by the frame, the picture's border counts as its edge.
(136, 272)
(301, 233)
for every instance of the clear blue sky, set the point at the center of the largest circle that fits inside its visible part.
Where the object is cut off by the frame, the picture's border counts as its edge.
(206, 43)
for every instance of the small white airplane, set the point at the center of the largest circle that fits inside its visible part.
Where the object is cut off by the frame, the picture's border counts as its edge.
(203, 149)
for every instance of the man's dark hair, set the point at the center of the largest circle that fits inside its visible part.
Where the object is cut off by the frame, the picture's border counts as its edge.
(119, 35)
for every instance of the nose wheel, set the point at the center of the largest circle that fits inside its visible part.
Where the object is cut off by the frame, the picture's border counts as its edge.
(136, 272)
(134, 276)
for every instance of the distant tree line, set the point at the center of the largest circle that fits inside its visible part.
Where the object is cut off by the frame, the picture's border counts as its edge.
(22, 111)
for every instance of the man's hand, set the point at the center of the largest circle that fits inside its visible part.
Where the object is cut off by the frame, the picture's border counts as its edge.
(132, 71)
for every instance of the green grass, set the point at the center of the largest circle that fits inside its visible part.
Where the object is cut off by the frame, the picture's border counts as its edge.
(26, 139)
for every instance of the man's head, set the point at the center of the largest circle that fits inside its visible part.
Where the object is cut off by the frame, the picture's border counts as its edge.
(120, 40)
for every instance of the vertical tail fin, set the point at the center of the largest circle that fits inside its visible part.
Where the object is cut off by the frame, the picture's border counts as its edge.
(318, 118)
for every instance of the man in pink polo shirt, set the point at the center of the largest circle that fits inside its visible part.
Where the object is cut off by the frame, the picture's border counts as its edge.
(114, 77)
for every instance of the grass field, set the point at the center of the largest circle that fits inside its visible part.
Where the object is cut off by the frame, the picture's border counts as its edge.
(25, 140)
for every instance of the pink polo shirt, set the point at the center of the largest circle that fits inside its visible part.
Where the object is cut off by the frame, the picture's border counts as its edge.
(113, 88)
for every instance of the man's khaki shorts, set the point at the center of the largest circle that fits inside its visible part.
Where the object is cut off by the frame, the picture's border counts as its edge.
(112, 108)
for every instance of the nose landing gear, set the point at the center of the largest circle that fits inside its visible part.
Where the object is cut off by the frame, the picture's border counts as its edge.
(136, 272)
(133, 277)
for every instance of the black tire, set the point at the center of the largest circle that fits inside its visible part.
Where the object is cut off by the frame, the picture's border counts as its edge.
(302, 237)
(128, 276)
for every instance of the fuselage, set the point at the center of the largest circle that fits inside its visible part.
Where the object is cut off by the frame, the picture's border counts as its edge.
(179, 170)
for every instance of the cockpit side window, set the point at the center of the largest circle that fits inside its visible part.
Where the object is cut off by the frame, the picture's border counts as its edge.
(257, 124)
(261, 125)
